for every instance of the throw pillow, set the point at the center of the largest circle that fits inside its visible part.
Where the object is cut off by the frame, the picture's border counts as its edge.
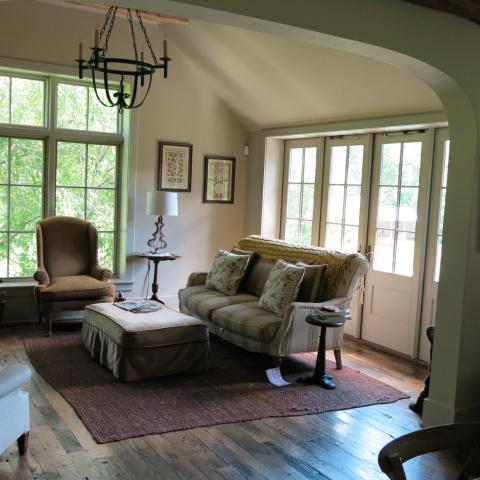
(282, 287)
(313, 282)
(252, 259)
(227, 272)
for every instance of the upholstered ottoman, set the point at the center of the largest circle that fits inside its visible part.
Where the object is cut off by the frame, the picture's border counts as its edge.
(137, 346)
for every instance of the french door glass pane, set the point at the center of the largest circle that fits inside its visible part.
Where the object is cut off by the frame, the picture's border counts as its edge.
(338, 165)
(310, 165)
(407, 214)
(295, 165)
(355, 165)
(291, 230)
(350, 238)
(307, 201)
(336, 196)
(405, 250)
(384, 248)
(390, 164)
(352, 206)
(445, 163)
(293, 200)
(387, 207)
(305, 233)
(333, 236)
(412, 155)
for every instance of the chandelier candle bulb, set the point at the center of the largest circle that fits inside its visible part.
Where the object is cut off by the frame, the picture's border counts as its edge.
(80, 51)
(165, 49)
(97, 38)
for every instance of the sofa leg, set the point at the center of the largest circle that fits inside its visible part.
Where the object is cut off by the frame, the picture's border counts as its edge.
(338, 358)
(22, 443)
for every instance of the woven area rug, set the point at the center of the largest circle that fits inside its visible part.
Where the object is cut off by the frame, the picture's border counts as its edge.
(234, 390)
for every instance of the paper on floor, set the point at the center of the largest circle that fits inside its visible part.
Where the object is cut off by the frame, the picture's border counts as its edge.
(275, 377)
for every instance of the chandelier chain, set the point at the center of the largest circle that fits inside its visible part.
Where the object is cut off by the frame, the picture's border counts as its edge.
(110, 17)
(130, 21)
(147, 40)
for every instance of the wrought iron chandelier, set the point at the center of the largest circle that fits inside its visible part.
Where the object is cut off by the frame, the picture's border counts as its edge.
(137, 70)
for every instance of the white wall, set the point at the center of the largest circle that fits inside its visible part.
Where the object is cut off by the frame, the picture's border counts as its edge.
(182, 108)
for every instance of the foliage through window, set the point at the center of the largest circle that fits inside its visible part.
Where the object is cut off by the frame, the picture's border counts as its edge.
(85, 163)
(85, 188)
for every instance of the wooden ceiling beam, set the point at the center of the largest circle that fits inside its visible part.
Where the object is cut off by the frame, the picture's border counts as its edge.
(151, 17)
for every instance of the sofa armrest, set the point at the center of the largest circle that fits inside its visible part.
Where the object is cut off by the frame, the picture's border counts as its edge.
(197, 278)
(12, 378)
(41, 276)
(102, 274)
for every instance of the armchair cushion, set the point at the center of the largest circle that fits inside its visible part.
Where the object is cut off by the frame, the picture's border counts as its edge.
(202, 301)
(248, 320)
(78, 287)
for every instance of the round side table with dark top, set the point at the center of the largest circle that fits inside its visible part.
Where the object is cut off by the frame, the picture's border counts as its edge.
(323, 320)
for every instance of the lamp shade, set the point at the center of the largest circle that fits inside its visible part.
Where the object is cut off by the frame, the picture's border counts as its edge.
(162, 203)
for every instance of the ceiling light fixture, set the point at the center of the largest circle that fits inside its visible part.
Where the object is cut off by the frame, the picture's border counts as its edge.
(137, 70)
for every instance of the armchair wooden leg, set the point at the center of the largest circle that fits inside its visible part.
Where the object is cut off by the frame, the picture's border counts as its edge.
(22, 443)
(49, 318)
(338, 358)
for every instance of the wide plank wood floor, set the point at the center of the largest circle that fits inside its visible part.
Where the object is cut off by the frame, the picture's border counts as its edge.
(339, 445)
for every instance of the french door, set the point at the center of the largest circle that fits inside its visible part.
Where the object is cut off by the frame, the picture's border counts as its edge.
(435, 237)
(396, 240)
(344, 215)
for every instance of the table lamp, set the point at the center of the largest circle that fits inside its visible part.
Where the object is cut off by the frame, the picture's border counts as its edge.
(161, 204)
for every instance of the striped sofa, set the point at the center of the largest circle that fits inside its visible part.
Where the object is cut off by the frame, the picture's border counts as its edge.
(240, 320)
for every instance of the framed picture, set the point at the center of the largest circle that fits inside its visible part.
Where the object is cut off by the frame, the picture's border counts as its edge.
(175, 167)
(219, 179)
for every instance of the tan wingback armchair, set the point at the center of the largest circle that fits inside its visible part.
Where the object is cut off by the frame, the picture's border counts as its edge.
(68, 274)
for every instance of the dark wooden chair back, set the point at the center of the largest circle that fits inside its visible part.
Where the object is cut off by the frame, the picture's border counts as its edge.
(457, 435)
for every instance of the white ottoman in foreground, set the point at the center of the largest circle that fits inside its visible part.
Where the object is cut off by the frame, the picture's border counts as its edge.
(137, 346)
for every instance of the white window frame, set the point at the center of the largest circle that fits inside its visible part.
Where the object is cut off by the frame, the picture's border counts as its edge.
(51, 135)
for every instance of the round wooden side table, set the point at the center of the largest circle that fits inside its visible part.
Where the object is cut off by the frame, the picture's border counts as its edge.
(324, 321)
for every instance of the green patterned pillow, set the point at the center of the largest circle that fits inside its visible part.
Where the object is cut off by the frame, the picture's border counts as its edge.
(281, 288)
(227, 272)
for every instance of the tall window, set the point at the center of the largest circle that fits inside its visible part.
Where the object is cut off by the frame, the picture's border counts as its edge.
(81, 147)
(443, 191)
(344, 195)
(300, 195)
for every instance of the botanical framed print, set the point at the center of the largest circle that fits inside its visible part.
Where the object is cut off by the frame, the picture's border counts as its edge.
(175, 167)
(219, 179)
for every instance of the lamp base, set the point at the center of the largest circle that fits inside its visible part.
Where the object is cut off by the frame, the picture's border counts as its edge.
(157, 242)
